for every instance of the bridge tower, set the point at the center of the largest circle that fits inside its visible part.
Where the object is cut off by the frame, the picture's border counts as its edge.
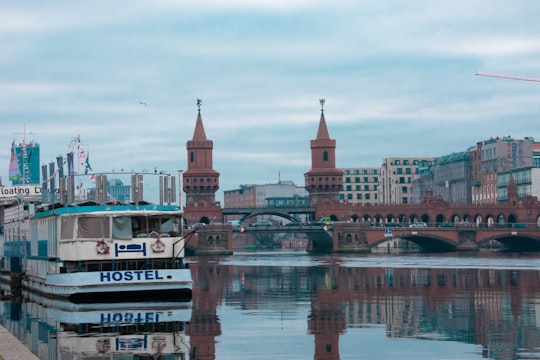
(324, 181)
(200, 180)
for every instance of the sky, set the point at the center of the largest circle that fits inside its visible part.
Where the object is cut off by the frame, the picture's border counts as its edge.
(399, 80)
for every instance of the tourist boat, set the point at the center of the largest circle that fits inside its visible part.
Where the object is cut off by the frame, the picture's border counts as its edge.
(104, 250)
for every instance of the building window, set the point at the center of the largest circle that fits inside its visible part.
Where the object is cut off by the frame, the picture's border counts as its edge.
(404, 189)
(407, 170)
(401, 180)
(405, 162)
(358, 196)
(396, 162)
(404, 200)
(347, 180)
(349, 196)
(399, 171)
(356, 179)
(192, 156)
(349, 188)
(366, 187)
(368, 196)
(325, 156)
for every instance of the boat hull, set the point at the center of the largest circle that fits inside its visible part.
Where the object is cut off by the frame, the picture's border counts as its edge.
(111, 286)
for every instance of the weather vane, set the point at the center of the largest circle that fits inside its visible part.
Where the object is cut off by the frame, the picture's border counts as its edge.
(199, 102)
(322, 104)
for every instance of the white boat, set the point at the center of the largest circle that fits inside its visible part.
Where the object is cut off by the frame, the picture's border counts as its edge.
(107, 252)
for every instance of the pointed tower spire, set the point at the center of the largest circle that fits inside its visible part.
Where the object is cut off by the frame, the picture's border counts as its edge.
(324, 181)
(322, 132)
(199, 133)
(512, 191)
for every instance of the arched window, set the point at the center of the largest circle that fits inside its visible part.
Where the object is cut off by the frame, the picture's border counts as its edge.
(325, 156)
(192, 156)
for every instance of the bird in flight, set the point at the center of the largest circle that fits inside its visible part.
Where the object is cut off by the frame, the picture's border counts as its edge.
(142, 103)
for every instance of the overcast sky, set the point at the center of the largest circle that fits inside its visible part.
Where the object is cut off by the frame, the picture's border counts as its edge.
(398, 78)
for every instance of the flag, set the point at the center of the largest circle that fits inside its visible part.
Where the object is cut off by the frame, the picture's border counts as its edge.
(88, 168)
(71, 169)
(14, 171)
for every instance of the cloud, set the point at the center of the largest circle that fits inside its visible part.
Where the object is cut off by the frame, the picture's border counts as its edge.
(398, 78)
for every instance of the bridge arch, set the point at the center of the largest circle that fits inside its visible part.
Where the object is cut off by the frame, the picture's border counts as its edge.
(490, 220)
(510, 242)
(478, 220)
(268, 211)
(426, 243)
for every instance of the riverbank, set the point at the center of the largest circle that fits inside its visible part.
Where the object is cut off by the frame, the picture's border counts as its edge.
(12, 349)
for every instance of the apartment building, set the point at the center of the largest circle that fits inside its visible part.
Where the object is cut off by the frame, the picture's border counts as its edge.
(257, 196)
(493, 156)
(397, 175)
(360, 186)
(448, 178)
(526, 180)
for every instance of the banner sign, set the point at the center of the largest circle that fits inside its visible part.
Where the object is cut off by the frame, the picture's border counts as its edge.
(24, 190)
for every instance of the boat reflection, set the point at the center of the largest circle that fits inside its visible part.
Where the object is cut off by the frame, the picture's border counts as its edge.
(54, 329)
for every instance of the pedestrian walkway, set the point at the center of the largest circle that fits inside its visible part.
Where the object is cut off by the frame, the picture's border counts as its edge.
(12, 349)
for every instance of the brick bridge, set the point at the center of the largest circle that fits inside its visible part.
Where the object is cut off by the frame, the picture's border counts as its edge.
(362, 238)
(353, 237)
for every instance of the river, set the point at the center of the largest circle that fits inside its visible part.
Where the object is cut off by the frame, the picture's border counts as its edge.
(287, 304)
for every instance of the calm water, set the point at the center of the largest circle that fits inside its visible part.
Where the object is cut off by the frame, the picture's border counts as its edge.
(292, 305)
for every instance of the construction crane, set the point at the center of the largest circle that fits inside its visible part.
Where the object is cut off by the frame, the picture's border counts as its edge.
(522, 78)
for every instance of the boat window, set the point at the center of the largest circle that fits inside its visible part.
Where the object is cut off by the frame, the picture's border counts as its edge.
(67, 224)
(170, 226)
(143, 225)
(122, 227)
(93, 227)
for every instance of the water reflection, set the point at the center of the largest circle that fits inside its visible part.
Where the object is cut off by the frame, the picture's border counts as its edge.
(296, 306)
(54, 329)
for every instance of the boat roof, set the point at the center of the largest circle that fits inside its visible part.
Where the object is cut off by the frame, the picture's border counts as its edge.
(94, 209)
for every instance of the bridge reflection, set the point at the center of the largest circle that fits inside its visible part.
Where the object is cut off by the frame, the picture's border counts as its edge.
(465, 305)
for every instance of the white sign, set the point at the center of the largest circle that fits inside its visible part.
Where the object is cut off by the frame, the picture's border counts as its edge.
(24, 190)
